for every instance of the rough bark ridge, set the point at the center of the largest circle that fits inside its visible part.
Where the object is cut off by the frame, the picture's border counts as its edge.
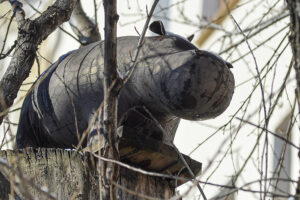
(294, 8)
(31, 33)
(67, 175)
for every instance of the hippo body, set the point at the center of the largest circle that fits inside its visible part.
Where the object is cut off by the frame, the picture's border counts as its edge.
(173, 80)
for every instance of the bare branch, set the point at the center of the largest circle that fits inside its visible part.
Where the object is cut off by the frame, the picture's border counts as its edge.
(111, 171)
(31, 34)
(86, 30)
(277, 135)
(294, 8)
(140, 43)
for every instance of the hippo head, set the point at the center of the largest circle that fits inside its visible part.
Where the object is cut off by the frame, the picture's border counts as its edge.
(199, 87)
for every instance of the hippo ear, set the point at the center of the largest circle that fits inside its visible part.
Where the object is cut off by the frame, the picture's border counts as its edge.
(157, 27)
(191, 37)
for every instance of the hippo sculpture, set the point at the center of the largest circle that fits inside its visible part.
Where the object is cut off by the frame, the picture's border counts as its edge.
(173, 80)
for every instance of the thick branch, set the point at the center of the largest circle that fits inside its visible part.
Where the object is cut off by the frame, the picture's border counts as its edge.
(30, 35)
(85, 29)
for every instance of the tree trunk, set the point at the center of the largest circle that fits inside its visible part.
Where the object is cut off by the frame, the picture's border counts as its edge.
(67, 175)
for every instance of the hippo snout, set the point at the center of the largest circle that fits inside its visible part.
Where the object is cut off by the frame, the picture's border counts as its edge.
(200, 88)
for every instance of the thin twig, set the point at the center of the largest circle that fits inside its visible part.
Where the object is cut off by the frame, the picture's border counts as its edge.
(96, 14)
(277, 135)
(263, 100)
(140, 43)
(6, 34)
(9, 51)
(156, 174)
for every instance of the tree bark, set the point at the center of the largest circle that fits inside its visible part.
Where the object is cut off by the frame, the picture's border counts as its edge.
(65, 175)
(85, 29)
(110, 80)
(294, 9)
(31, 33)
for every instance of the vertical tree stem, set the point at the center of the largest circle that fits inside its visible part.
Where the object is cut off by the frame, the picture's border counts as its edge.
(294, 8)
(110, 97)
